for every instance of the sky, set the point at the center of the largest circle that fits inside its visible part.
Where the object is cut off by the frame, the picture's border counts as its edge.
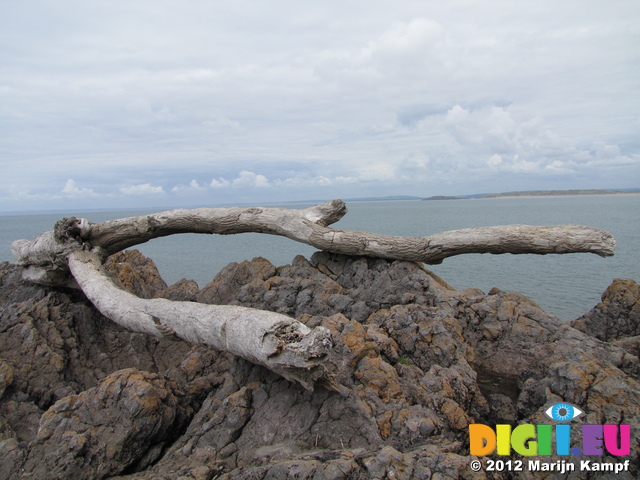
(117, 104)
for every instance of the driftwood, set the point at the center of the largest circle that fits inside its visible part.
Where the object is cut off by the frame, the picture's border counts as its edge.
(276, 341)
(74, 251)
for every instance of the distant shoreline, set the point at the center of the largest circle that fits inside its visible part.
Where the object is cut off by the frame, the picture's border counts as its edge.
(498, 197)
(559, 193)
(524, 194)
(537, 194)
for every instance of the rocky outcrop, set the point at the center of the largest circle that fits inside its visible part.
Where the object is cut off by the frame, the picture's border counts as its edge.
(122, 422)
(416, 361)
(134, 272)
(616, 319)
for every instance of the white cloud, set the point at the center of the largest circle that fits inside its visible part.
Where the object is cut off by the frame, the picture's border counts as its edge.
(378, 171)
(141, 189)
(70, 190)
(22, 195)
(495, 160)
(561, 167)
(250, 179)
(244, 179)
(496, 138)
(193, 186)
(309, 181)
(219, 183)
(414, 38)
(490, 128)
(302, 181)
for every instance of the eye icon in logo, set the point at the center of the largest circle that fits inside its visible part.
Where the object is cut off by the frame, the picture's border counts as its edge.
(563, 412)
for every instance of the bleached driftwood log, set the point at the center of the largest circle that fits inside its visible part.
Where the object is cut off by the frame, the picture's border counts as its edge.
(76, 249)
(275, 341)
(48, 251)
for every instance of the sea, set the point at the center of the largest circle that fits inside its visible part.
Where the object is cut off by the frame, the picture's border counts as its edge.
(564, 285)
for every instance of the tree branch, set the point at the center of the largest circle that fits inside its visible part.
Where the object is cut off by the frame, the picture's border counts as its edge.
(48, 252)
(275, 341)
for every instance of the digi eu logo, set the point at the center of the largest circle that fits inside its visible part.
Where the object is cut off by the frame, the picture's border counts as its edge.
(529, 440)
(563, 412)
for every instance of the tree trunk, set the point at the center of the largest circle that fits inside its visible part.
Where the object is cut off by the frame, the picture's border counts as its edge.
(46, 255)
(275, 341)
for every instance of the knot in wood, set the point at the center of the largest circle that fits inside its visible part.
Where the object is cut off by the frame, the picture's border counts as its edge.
(71, 229)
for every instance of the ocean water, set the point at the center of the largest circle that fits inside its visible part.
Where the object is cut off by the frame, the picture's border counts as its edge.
(564, 285)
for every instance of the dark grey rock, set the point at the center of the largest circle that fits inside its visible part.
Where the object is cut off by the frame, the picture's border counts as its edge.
(617, 316)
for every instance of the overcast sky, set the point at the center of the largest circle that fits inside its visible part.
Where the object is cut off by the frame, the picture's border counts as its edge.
(163, 103)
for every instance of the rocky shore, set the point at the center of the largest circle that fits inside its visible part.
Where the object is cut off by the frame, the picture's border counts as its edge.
(82, 398)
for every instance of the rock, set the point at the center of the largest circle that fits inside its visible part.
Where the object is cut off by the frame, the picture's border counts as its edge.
(223, 289)
(6, 376)
(616, 316)
(416, 360)
(135, 273)
(183, 290)
(629, 344)
(109, 428)
(503, 410)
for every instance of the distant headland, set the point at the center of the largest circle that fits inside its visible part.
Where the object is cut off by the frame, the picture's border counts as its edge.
(445, 197)
(546, 193)
(539, 193)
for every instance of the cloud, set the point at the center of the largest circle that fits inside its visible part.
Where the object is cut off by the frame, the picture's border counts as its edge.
(490, 128)
(245, 179)
(219, 183)
(250, 179)
(414, 38)
(15, 194)
(193, 186)
(70, 190)
(516, 164)
(330, 99)
(218, 120)
(141, 189)
(498, 139)
(301, 181)
(601, 150)
(411, 115)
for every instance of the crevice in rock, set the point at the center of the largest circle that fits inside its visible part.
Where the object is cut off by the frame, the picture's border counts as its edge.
(491, 383)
